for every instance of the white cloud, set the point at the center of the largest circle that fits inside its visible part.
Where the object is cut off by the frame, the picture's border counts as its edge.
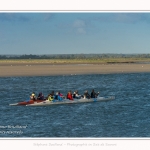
(81, 31)
(79, 26)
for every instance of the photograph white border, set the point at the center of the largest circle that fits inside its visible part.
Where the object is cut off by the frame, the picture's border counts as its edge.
(75, 6)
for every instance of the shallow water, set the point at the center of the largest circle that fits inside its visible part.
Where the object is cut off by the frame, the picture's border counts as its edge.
(126, 116)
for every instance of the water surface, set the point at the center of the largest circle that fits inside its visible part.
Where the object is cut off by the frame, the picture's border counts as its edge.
(126, 116)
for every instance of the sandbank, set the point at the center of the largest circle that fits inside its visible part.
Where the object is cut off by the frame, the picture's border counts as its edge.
(12, 70)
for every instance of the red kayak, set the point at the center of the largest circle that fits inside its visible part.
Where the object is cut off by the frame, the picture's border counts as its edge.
(26, 102)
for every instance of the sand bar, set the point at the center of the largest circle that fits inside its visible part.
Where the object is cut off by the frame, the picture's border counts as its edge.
(70, 69)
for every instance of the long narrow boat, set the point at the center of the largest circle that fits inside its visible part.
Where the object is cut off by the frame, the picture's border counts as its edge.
(75, 101)
(26, 102)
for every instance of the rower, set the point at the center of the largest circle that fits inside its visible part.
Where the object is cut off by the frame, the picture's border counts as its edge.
(69, 96)
(40, 96)
(50, 97)
(93, 94)
(60, 96)
(76, 95)
(56, 96)
(33, 96)
(86, 95)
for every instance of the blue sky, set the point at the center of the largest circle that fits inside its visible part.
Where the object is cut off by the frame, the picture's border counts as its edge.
(74, 32)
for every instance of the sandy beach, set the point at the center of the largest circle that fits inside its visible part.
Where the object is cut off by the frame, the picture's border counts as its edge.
(10, 70)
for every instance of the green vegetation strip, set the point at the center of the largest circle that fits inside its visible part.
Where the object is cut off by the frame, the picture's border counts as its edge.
(74, 61)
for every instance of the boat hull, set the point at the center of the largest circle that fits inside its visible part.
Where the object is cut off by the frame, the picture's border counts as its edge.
(75, 101)
(26, 103)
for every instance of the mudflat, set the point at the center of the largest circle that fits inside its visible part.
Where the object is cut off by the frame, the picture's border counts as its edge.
(19, 69)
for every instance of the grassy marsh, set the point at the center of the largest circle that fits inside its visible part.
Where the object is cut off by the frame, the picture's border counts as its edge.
(74, 61)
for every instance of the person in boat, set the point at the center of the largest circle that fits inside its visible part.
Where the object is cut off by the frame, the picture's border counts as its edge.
(94, 94)
(50, 97)
(69, 95)
(76, 95)
(60, 94)
(33, 96)
(40, 96)
(87, 95)
(56, 96)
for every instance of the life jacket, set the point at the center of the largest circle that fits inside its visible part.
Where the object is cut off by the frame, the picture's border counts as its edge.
(50, 98)
(69, 96)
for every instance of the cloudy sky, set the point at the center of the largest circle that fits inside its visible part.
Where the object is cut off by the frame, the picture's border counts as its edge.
(74, 32)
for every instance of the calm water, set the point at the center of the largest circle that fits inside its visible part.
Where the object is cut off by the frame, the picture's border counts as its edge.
(126, 116)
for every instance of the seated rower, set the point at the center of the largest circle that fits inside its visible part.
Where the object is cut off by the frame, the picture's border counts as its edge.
(57, 96)
(50, 97)
(86, 95)
(33, 96)
(93, 94)
(69, 96)
(60, 94)
(40, 96)
(76, 95)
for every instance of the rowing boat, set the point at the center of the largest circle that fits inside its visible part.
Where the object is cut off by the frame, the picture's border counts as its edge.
(75, 101)
(26, 103)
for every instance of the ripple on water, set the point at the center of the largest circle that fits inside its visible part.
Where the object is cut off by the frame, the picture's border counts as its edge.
(126, 116)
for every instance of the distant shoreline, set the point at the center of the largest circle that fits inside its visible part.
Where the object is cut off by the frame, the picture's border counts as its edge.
(8, 62)
(49, 69)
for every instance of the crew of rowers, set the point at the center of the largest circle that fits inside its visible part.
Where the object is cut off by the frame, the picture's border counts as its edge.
(59, 96)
